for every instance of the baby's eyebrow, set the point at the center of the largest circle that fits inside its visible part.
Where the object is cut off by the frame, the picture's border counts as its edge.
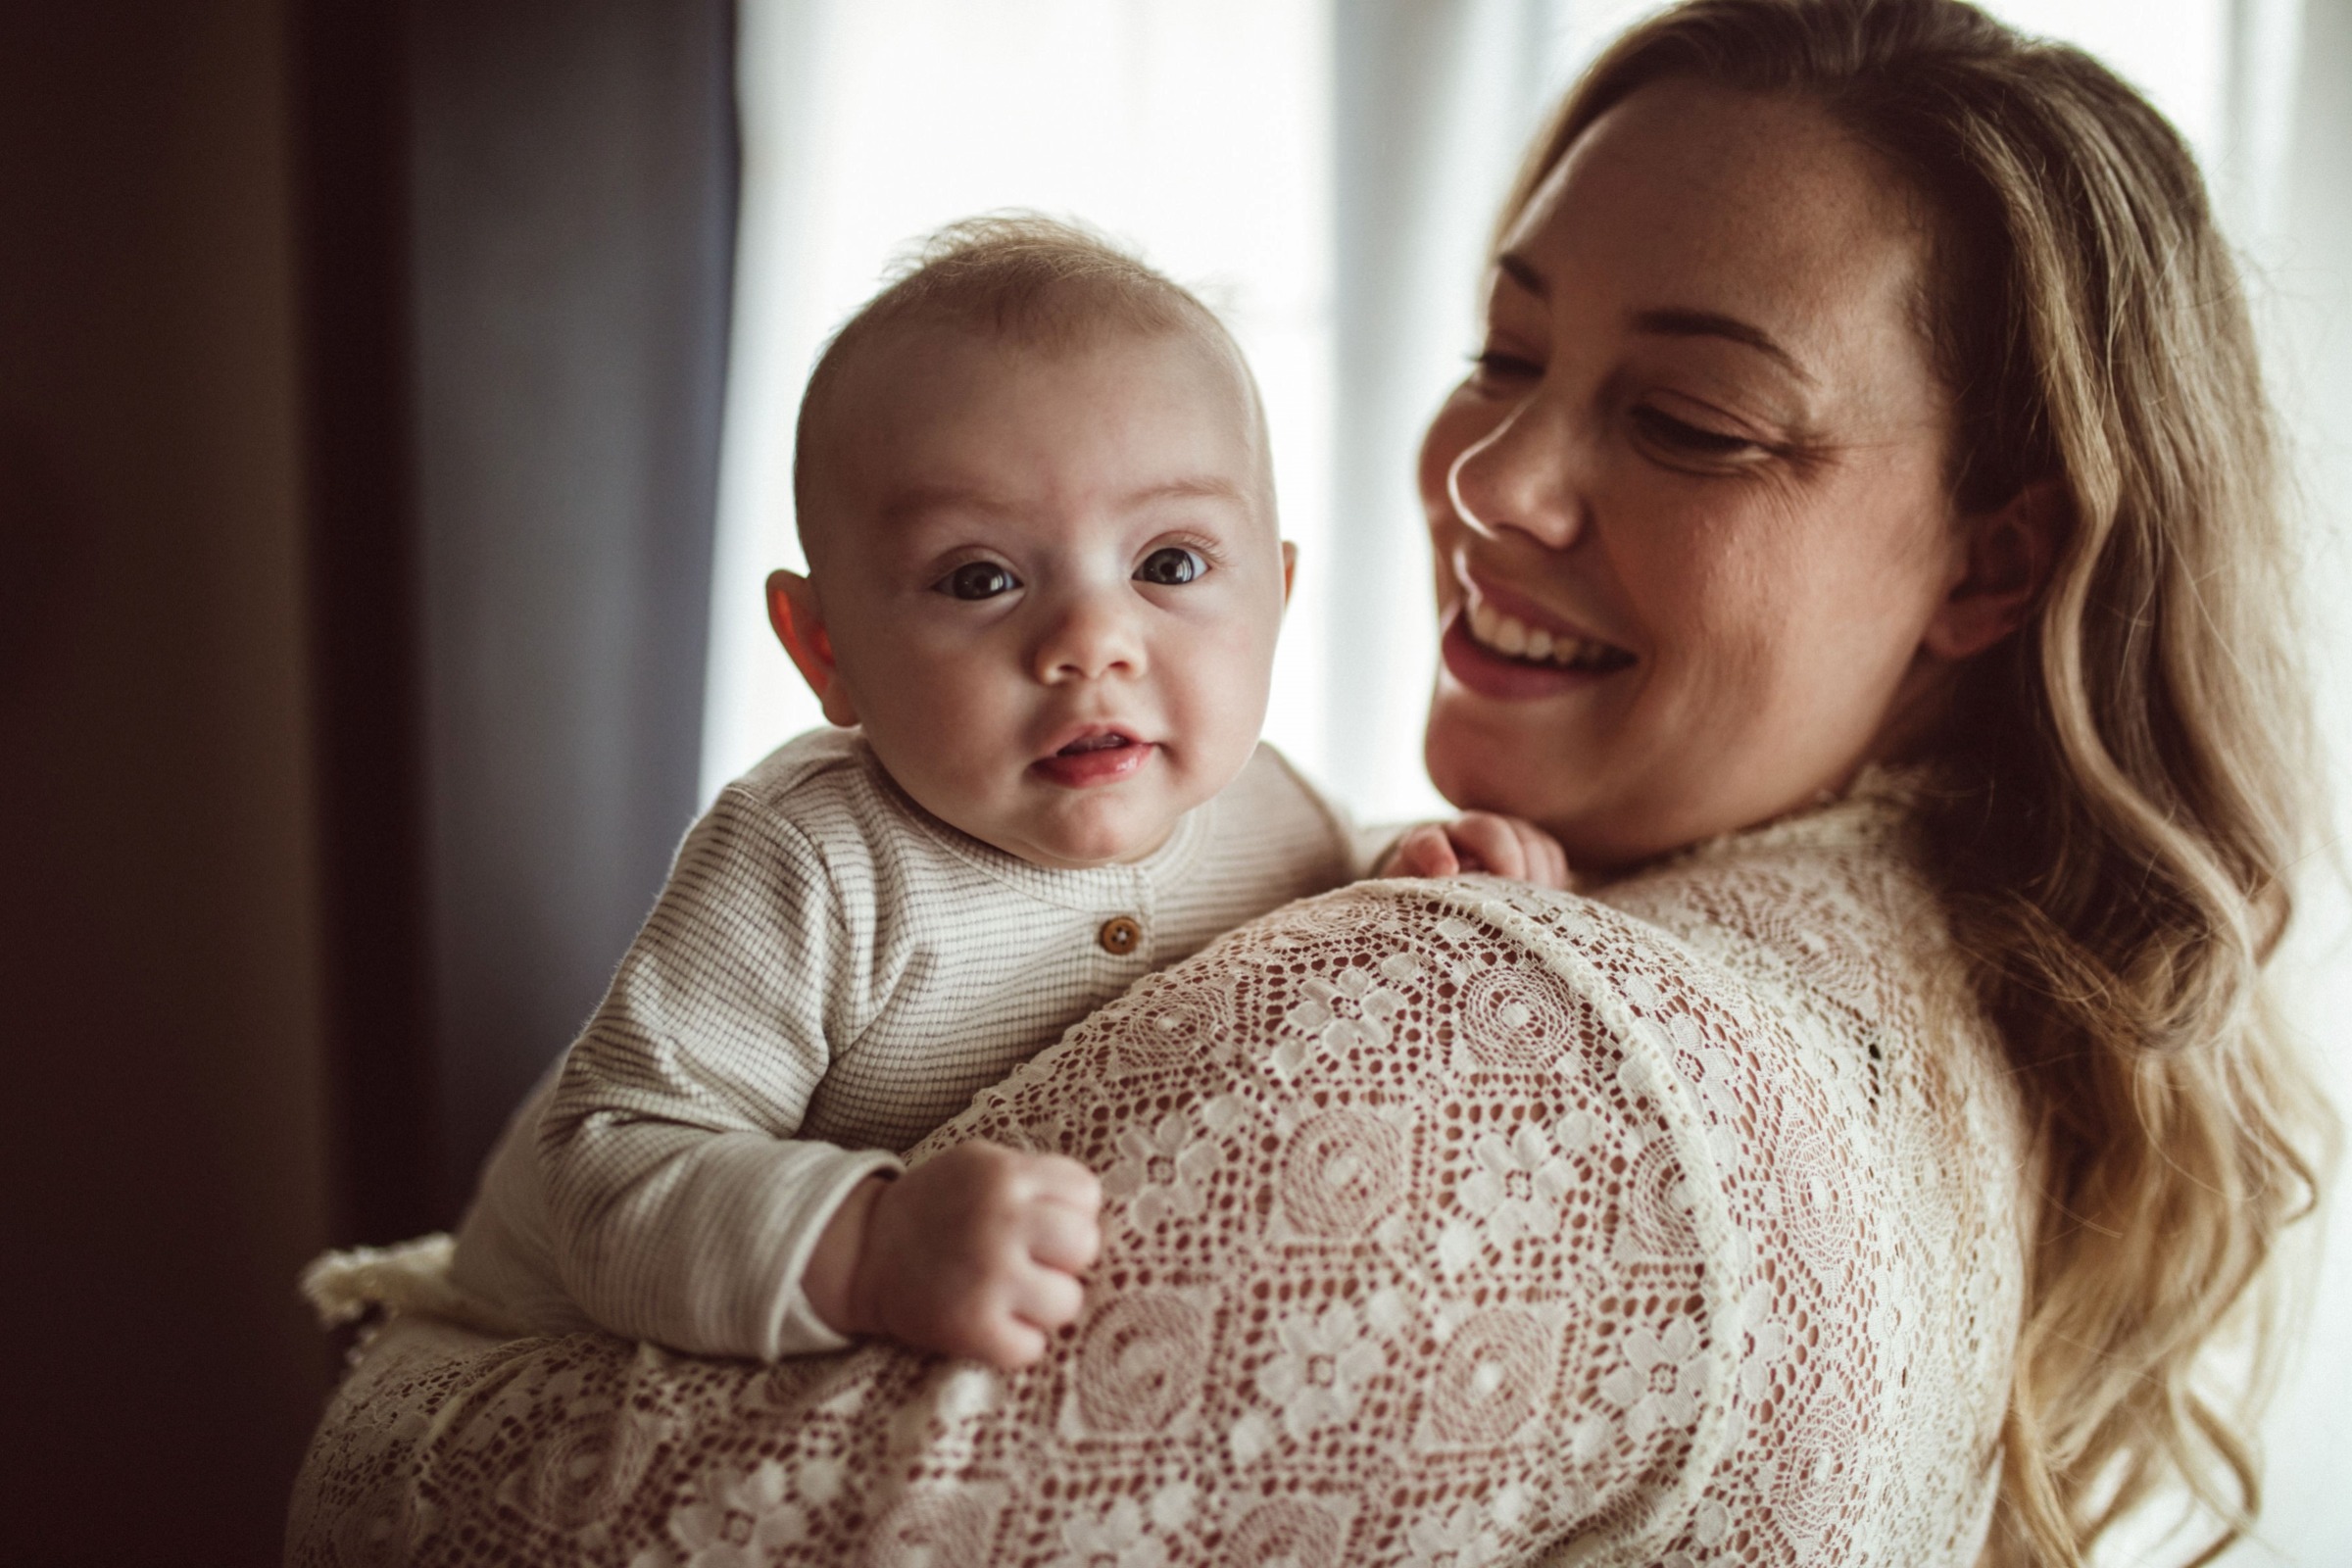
(916, 501)
(1191, 487)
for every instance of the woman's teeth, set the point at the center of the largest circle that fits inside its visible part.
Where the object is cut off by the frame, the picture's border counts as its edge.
(1510, 636)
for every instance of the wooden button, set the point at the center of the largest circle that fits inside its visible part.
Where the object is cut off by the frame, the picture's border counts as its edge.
(1121, 936)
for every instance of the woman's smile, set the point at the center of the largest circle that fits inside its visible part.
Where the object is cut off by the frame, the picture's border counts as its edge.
(1506, 623)
(1662, 619)
(1500, 644)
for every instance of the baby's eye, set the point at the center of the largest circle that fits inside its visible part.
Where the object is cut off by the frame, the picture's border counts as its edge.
(977, 579)
(1169, 565)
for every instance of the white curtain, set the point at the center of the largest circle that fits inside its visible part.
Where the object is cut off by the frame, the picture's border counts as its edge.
(2288, 184)
(1325, 170)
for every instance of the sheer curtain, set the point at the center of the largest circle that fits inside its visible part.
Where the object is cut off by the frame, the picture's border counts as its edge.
(2288, 184)
(1324, 170)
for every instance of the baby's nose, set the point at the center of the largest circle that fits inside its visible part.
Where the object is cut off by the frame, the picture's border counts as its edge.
(1091, 636)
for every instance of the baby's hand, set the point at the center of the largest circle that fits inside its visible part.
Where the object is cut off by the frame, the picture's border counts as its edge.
(976, 1254)
(1480, 841)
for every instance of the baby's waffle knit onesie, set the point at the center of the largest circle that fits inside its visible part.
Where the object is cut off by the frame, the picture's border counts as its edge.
(830, 974)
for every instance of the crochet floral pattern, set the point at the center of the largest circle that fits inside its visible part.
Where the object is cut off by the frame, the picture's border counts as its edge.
(1444, 1223)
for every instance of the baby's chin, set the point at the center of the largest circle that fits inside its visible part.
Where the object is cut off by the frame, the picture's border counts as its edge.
(1094, 838)
(1069, 833)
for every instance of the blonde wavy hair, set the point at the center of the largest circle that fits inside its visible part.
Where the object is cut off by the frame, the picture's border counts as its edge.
(2128, 776)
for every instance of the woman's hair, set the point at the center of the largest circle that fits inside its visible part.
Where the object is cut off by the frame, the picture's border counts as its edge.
(2126, 778)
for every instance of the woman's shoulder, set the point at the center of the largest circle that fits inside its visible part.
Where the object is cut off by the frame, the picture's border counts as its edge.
(1439, 1217)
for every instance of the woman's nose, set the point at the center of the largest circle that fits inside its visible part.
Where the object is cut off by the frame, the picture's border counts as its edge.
(1089, 636)
(1521, 476)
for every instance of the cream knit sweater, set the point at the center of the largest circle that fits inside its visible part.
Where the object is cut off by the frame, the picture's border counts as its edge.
(1448, 1221)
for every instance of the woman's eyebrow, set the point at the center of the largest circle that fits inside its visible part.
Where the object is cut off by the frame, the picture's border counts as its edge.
(1669, 323)
(1520, 270)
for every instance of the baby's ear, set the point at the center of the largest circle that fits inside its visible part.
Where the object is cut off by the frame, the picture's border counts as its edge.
(1290, 570)
(792, 609)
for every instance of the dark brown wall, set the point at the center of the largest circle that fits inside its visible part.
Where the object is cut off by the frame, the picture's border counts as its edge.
(162, 1165)
(360, 373)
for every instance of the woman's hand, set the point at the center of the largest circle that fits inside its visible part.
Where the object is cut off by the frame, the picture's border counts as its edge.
(978, 1253)
(1480, 841)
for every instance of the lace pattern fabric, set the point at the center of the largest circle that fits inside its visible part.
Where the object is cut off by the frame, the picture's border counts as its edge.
(1444, 1222)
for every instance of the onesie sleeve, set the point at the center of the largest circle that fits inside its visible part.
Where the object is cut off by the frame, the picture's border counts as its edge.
(681, 1207)
(1358, 846)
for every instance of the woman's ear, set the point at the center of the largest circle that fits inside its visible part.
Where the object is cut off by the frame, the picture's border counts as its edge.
(2000, 570)
(792, 609)
(1290, 570)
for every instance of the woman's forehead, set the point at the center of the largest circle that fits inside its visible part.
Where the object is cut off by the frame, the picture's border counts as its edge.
(1762, 210)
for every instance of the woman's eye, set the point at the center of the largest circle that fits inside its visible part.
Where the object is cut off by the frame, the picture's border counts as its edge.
(1490, 366)
(1170, 566)
(977, 579)
(1681, 436)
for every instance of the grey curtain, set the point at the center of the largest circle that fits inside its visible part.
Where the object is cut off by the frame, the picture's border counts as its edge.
(523, 227)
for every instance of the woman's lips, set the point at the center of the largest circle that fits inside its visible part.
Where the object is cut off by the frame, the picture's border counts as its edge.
(1103, 757)
(1490, 673)
(1504, 622)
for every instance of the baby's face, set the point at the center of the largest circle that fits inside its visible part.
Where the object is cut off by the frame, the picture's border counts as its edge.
(1050, 581)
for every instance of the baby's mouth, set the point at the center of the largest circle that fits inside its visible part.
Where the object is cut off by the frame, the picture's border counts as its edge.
(1095, 755)
(1500, 632)
(1109, 741)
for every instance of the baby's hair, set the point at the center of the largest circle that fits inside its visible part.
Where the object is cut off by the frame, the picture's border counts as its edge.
(1033, 280)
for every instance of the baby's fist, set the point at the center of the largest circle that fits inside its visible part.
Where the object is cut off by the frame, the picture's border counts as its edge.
(1480, 841)
(979, 1252)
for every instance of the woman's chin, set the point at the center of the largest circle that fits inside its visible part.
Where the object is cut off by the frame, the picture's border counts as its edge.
(1546, 778)
(1481, 765)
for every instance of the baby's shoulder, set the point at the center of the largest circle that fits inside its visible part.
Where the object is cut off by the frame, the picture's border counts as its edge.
(821, 795)
(811, 766)
(1271, 798)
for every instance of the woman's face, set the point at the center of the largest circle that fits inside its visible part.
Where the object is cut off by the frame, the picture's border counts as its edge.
(1689, 508)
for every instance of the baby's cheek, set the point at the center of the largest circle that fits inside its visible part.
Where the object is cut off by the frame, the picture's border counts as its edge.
(950, 740)
(1223, 695)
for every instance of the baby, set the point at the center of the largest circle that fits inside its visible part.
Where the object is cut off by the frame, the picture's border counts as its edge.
(1043, 588)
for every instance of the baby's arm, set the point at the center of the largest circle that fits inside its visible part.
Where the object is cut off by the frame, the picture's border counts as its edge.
(978, 1253)
(682, 1209)
(680, 1204)
(1479, 841)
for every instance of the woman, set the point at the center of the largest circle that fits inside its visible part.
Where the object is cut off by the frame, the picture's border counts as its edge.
(1855, 541)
